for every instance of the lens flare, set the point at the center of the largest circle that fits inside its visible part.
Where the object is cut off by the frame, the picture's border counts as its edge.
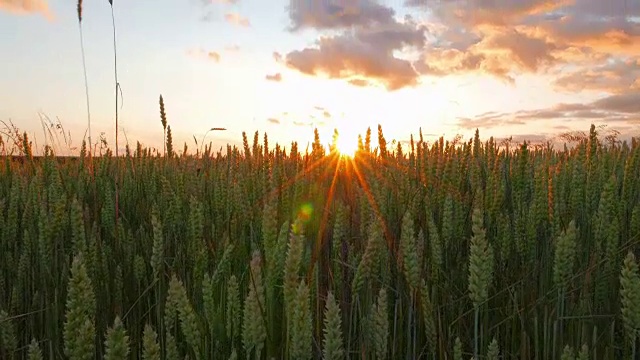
(305, 212)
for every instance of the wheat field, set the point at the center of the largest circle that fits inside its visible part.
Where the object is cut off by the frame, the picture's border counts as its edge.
(444, 250)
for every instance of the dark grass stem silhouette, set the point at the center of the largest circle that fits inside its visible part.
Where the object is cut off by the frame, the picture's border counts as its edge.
(117, 87)
(84, 66)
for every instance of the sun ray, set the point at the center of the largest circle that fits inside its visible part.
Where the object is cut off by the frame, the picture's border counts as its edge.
(374, 206)
(323, 221)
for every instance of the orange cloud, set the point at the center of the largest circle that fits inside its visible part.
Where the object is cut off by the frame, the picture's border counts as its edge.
(26, 7)
(364, 53)
(359, 82)
(237, 19)
(619, 108)
(277, 77)
(213, 56)
(200, 53)
(363, 42)
(616, 76)
(500, 52)
(506, 37)
(442, 62)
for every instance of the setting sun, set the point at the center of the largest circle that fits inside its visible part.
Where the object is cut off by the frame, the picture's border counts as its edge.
(347, 141)
(347, 146)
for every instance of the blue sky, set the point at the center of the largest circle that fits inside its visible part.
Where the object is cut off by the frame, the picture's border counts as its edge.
(508, 68)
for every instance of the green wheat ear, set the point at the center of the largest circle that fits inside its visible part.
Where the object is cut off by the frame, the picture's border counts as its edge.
(117, 342)
(480, 262)
(178, 301)
(254, 332)
(292, 264)
(224, 265)
(372, 251)
(568, 353)
(630, 298)
(234, 355)
(300, 330)
(333, 348)
(493, 353)
(172, 303)
(8, 340)
(435, 245)
(380, 325)
(79, 327)
(457, 349)
(564, 256)
(233, 311)
(584, 352)
(157, 252)
(34, 352)
(410, 264)
(428, 314)
(150, 346)
(139, 268)
(171, 347)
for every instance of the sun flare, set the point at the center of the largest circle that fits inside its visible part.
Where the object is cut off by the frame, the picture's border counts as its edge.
(347, 146)
(347, 141)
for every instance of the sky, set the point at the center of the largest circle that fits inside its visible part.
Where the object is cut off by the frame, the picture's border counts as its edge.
(523, 68)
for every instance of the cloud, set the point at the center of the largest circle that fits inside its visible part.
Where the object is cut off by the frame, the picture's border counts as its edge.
(322, 111)
(628, 103)
(337, 14)
(501, 52)
(367, 53)
(443, 62)
(615, 76)
(506, 38)
(204, 54)
(618, 108)
(27, 7)
(604, 28)
(587, 44)
(277, 77)
(488, 120)
(232, 48)
(316, 116)
(237, 19)
(213, 56)
(483, 12)
(365, 47)
(359, 82)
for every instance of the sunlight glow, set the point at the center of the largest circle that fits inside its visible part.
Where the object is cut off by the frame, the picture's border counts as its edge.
(347, 146)
(347, 142)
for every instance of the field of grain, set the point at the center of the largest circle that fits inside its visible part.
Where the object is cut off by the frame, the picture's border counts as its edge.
(443, 250)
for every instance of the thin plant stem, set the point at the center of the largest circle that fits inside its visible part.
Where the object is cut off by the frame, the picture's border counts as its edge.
(475, 331)
(86, 85)
(116, 177)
